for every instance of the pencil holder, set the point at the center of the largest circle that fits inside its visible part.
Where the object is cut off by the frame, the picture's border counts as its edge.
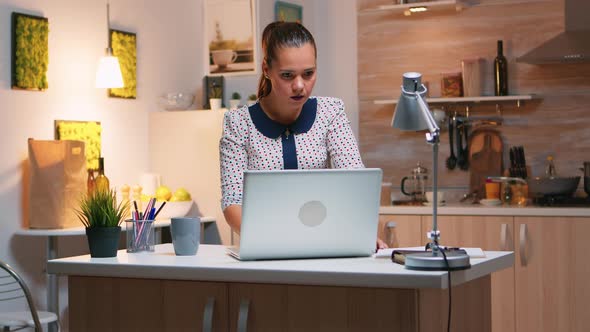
(140, 235)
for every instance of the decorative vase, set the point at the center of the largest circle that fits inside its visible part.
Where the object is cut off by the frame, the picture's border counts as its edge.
(215, 103)
(103, 241)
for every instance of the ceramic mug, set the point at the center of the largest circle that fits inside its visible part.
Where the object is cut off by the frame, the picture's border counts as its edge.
(186, 235)
(223, 58)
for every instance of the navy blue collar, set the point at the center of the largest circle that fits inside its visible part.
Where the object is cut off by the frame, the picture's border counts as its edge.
(272, 129)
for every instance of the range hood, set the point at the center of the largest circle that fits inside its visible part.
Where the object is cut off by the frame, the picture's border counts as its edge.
(570, 46)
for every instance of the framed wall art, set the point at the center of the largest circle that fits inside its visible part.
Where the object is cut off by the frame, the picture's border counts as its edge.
(288, 12)
(87, 131)
(230, 36)
(124, 45)
(30, 52)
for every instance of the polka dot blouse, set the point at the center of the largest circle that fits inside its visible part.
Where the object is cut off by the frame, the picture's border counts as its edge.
(321, 137)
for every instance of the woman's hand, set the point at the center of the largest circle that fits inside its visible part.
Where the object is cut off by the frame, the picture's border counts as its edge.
(381, 244)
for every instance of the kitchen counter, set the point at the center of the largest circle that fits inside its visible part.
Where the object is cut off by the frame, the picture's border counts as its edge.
(481, 210)
(213, 291)
(213, 264)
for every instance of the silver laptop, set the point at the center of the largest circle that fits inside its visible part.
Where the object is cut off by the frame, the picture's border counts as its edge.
(309, 214)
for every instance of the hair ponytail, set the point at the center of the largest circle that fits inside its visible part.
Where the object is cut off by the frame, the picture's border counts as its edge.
(277, 35)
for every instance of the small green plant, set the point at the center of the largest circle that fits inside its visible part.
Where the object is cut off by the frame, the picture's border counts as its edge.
(252, 97)
(215, 91)
(236, 95)
(100, 209)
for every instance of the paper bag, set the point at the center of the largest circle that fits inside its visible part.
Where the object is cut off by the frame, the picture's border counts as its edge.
(58, 182)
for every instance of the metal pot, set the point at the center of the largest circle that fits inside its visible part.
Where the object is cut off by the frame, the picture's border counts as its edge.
(562, 186)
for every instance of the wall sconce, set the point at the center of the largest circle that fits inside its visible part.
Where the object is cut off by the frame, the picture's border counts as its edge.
(109, 74)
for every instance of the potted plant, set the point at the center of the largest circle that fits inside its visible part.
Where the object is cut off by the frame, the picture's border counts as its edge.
(215, 95)
(102, 216)
(251, 99)
(234, 102)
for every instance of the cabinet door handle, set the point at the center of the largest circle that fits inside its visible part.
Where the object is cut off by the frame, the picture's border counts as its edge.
(503, 237)
(523, 260)
(208, 315)
(243, 315)
(390, 228)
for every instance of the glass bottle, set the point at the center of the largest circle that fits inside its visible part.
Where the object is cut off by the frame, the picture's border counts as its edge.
(500, 72)
(550, 169)
(102, 181)
(90, 182)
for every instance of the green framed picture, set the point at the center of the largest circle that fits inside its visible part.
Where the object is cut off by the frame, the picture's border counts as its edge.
(89, 132)
(288, 12)
(124, 45)
(30, 52)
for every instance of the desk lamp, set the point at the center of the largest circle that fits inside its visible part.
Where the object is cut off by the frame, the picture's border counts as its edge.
(412, 114)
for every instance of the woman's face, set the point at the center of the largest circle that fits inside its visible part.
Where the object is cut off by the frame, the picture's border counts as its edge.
(292, 76)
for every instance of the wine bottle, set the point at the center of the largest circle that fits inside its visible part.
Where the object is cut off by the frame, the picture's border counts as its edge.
(500, 72)
(91, 182)
(102, 182)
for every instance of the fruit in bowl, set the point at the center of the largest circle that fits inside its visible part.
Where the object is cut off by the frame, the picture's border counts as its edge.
(178, 204)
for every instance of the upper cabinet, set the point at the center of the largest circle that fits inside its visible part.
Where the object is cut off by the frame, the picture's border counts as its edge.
(412, 8)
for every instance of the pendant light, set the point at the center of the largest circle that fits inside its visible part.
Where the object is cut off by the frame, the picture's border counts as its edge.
(108, 74)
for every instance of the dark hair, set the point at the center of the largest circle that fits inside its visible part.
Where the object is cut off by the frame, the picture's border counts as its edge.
(277, 35)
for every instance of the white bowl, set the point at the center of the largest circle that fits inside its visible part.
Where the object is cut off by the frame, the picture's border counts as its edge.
(176, 101)
(174, 209)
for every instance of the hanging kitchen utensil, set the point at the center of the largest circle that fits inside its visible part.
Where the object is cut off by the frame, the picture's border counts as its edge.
(451, 160)
(461, 157)
(464, 165)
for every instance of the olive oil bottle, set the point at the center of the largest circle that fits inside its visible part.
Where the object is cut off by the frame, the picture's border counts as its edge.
(101, 181)
(500, 72)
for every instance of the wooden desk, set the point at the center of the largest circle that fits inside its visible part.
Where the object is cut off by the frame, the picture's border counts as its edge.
(212, 291)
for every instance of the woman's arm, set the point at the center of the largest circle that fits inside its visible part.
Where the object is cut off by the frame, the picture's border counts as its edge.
(233, 160)
(233, 216)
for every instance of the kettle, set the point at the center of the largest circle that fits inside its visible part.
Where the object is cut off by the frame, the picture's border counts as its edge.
(415, 185)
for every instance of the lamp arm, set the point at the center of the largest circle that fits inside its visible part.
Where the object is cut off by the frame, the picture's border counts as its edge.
(433, 128)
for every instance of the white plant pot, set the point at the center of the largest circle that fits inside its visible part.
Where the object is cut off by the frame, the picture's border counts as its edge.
(234, 103)
(215, 103)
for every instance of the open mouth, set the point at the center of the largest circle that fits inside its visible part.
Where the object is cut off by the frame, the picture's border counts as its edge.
(297, 98)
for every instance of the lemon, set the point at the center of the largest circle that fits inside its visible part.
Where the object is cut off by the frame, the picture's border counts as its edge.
(163, 193)
(182, 194)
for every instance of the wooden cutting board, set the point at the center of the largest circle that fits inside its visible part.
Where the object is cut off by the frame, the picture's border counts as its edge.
(485, 158)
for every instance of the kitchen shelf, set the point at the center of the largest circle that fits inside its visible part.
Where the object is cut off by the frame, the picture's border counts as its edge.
(430, 6)
(465, 100)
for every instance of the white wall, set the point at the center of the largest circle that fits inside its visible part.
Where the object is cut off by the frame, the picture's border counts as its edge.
(169, 58)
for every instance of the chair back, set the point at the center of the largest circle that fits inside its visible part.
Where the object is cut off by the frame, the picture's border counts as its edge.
(13, 287)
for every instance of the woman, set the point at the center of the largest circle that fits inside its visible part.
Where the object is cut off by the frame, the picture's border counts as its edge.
(286, 128)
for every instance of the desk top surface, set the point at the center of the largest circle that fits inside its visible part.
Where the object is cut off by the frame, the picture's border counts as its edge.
(212, 263)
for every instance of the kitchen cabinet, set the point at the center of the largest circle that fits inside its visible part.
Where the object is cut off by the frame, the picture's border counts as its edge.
(547, 289)
(187, 305)
(488, 233)
(132, 304)
(552, 270)
(401, 231)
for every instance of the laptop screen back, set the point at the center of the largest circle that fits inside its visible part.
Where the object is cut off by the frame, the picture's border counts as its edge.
(309, 213)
